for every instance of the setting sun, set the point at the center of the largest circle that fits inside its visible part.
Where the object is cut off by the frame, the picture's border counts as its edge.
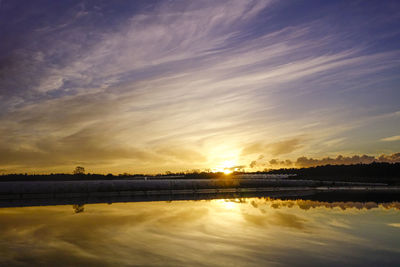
(227, 171)
(227, 167)
(229, 132)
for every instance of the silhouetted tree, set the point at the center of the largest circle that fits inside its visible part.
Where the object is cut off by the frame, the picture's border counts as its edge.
(79, 170)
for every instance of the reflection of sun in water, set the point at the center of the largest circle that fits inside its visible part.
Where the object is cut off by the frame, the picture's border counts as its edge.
(226, 213)
(227, 204)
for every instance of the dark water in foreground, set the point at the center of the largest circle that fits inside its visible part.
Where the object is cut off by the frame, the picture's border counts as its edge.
(235, 232)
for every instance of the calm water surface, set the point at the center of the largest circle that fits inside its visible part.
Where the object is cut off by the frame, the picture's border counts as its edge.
(235, 232)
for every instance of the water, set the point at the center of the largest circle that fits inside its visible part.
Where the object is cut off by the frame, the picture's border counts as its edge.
(235, 232)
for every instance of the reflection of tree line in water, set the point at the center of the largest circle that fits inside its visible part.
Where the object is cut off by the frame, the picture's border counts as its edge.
(78, 208)
(300, 203)
(309, 204)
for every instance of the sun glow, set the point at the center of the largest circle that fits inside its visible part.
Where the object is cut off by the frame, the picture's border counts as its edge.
(227, 172)
(227, 204)
(227, 167)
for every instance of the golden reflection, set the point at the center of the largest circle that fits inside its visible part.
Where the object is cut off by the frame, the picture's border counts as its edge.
(310, 204)
(227, 204)
(239, 231)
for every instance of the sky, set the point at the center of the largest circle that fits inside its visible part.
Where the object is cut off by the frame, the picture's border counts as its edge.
(155, 86)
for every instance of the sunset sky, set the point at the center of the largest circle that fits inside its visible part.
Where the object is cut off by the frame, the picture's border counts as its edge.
(151, 86)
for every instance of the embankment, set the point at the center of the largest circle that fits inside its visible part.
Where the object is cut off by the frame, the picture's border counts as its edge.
(64, 192)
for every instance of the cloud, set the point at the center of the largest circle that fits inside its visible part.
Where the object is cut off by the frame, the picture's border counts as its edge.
(309, 162)
(179, 82)
(253, 164)
(304, 162)
(181, 154)
(391, 138)
(276, 148)
(277, 162)
(237, 168)
(389, 158)
(284, 147)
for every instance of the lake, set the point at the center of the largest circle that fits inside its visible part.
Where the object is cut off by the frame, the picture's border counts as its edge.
(220, 232)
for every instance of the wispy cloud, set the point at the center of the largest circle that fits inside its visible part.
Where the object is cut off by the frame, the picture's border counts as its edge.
(275, 149)
(391, 138)
(185, 83)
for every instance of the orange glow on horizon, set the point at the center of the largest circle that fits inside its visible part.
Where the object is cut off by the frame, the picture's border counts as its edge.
(226, 167)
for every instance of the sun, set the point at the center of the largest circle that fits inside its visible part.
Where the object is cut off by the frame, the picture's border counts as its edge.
(227, 172)
(227, 167)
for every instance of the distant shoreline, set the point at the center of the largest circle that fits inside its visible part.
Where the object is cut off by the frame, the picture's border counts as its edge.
(376, 172)
(57, 193)
(352, 180)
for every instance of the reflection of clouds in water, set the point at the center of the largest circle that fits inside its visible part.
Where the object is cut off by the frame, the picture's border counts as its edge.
(242, 232)
(290, 220)
(339, 223)
(183, 217)
(394, 224)
(94, 237)
(280, 219)
(267, 217)
(309, 204)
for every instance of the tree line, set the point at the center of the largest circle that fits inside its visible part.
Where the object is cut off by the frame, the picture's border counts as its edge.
(373, 172)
